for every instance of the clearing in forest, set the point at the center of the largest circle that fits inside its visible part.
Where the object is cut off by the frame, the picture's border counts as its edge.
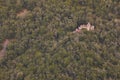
(22, 13)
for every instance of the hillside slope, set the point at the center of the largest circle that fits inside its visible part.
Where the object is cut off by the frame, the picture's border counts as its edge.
(42, 45)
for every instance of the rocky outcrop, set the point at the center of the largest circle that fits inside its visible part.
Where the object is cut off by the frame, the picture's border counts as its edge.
(88, 27)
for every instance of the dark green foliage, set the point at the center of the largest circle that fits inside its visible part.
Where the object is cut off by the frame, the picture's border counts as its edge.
(43, 47)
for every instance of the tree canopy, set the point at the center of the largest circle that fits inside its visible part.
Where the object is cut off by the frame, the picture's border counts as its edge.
(42, 45)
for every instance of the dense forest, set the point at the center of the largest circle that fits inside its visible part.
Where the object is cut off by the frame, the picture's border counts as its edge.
(37, 40)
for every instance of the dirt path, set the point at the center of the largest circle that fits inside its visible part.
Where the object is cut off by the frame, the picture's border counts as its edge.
(5, 43)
